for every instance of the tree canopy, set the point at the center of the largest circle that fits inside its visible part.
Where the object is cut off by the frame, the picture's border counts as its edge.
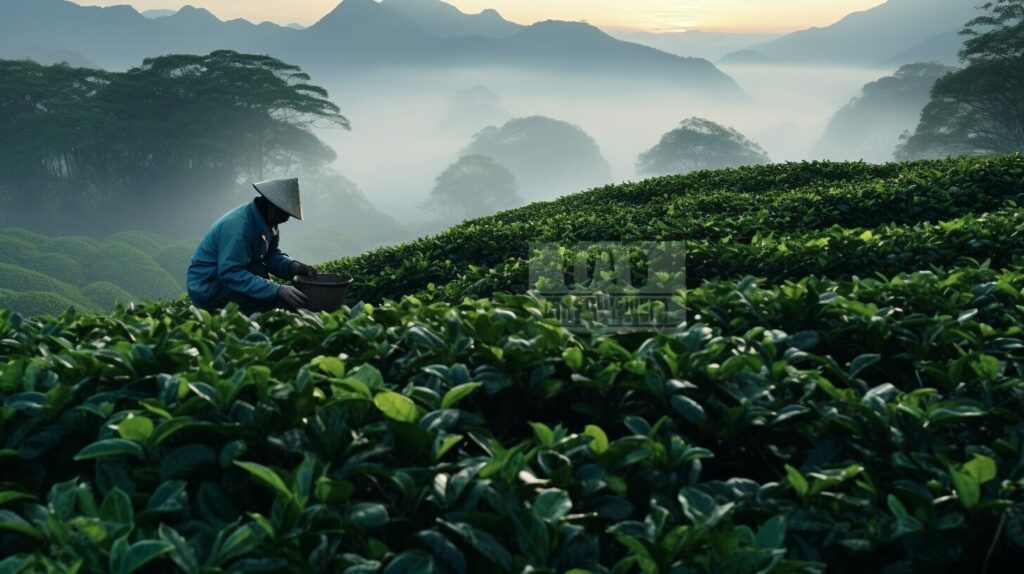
(475, 185)
(979, 109)
(84, 149)
(548, 157)
(699, 144)
(870, 125)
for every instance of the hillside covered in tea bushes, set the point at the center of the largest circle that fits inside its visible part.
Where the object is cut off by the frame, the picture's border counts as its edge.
(848, 397)
(779, 222)
(46, 275)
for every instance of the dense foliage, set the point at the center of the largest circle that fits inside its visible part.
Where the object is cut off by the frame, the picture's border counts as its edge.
(88, 150)
(548, 157)
(980, 108)
(781, 221)
(856, 408)
(699, 144)
(48, 274)
(870, 125)
(479, 438)
(473, 186)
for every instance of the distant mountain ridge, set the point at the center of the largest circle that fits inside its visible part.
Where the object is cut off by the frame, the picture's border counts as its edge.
(356, 35)
(695, 43)
(942, 48)
(157, 13)
(880, 36)
(447, 21)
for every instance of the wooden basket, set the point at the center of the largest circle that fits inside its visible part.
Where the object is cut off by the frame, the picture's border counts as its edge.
(326, 292)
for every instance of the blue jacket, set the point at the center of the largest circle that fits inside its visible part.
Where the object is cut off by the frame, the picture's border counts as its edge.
(233, 260)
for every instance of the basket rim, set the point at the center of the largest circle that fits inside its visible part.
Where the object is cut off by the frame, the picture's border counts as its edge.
(342, 281)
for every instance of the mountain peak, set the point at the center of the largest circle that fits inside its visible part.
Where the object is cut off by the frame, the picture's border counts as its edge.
(369, 21)
(443, 20)
(158, 13)
(871, 36)
(559, 27)
(192, 14)
(346, 8)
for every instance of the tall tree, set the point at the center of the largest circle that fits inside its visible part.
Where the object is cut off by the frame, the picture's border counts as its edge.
(699, 144)
(48, 116)
(149, 147)
(475, 185)
(549, 157)
(979, 109)
(870, 125)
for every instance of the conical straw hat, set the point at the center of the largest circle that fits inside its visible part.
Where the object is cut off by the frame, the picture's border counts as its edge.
(283, 193)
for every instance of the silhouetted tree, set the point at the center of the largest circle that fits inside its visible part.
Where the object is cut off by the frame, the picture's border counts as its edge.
(869, 127)
(474, 107)
(979, 109)
(548, 157)
(149, 146)
(699, 144)
(473, 186)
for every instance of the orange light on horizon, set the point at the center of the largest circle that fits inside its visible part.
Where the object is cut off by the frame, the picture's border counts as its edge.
(747, 16)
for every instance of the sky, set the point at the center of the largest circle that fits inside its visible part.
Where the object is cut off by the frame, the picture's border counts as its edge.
(774, 16)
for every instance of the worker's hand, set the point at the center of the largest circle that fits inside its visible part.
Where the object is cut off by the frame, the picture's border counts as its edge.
(299, 268)
(292, 296)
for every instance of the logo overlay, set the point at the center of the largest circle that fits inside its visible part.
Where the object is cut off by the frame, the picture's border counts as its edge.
(612, 286)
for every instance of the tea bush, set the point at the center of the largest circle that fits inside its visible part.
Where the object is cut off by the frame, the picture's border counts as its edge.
(149, 243)
(133, 271)
(175, 259)
(735, 205)
(15, 250)
(413, 437)
(106, 295)
(31, 303)
(58, 266)
(16, 278)
(78, 248)
(846, 396)
(22, 234)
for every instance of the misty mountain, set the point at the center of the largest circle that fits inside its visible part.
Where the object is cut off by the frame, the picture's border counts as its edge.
(695, 43)
(49, 56)
(746, 58)
(119, 37)
(869, 126)
(872, 37)
(572, 47)
(447, 21)
(358, 35)
(942, 48)
(157, 13)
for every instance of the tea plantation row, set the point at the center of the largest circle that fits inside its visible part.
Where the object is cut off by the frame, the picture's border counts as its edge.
(40, 275)
(715, 212)
(846, 397)
(864, 425)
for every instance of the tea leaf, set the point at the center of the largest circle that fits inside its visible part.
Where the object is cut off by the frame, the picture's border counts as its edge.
(397, 407)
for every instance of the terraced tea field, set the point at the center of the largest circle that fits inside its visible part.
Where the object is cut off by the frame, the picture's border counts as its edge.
(846, 397)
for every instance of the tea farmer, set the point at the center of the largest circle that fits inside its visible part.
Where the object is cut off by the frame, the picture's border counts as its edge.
(238, 254)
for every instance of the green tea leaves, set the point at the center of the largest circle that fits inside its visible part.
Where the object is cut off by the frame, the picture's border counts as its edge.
(452, 397)
(797, 481)
(397, 407)
(135, 428)
(970, 477)
(110, 447)
(267, 477)
(599, 444)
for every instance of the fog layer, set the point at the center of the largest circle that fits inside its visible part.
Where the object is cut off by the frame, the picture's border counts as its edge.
(403, 134)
